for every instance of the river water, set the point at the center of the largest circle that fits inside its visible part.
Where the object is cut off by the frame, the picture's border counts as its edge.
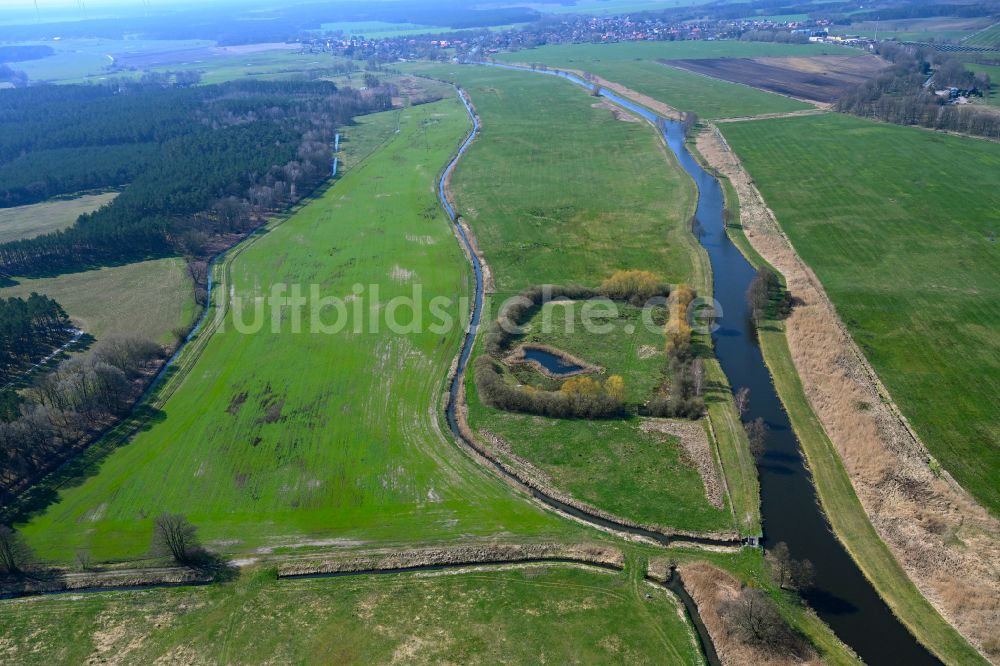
(841, 595)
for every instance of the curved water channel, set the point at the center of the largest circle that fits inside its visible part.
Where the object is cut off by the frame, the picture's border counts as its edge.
(841, 595)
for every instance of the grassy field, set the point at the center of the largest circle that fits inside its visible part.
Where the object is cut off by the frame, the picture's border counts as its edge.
(989, 37)
(840, 503)
(279, 438)
(943, 28)
(380, 29)
(634, 64)
(149, 299)
(612, 464)
(602, 7)
(908, 256)
(41, 218)
(81, 58)
(89, 60)
(539, 218)
(560, 192)
(993, 71)
(527, 615)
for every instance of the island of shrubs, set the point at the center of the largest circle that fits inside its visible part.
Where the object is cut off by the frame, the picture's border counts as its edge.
(585, 397)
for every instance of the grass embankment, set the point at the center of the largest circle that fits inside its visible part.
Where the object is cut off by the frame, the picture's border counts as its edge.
(520, 616)
(150, 299)
(29, 221)
(901, 227)
(278, 438)
(833, 485)
(559, 191)
(634, 65)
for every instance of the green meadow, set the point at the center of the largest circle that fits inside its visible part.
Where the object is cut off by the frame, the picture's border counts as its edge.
(634, 64)
(557, 190)
(150, 299)
(993, 71)
(41, 218)
(612, 464)
(989, 37)
(278, 439)
(903, 234)
(523, 615)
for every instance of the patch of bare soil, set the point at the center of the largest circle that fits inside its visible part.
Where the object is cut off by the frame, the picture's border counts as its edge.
(947, 544)
(617, 112)
(815, 78)
(400, 274)
(697, 452)
(711, 587)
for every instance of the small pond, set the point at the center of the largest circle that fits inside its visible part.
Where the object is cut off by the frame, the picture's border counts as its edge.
(556, 365)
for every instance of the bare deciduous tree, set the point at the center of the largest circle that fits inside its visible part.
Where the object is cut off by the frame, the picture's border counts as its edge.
(742, 400)
(753, 618)
(757, 434)
(174, 535)
(759, 291)
(788, 572)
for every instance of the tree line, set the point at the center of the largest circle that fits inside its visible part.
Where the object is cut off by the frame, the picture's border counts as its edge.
(904, 94)
(73, 401)
(29, 329)
(182, 150)
(684, 395)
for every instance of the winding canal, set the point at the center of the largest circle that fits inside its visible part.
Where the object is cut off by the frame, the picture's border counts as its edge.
(841, 595)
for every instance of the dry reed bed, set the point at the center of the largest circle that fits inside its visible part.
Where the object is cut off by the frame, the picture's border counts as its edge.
(697, 452)
(947, 543)
(711, 587)
(59, 580)
(499, 553)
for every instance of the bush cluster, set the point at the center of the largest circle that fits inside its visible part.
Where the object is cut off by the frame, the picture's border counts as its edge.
(521, 308)
(579, 397)
(636, 287)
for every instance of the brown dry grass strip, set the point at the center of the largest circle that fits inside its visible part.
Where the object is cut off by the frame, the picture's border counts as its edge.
(946, 543)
